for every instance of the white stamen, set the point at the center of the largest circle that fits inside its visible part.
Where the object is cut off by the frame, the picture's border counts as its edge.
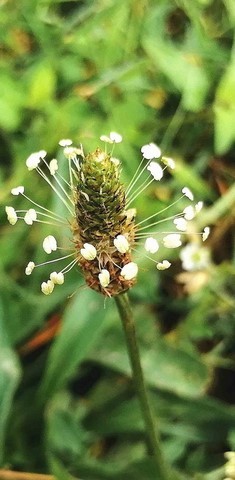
(151, 245)
(65, 142)
(188, 193)
(34, 159)
(11, 215)
(115, 137)
(57, 278)
(151, 151)
(72, 152)
(189, 212)
(29, 268)
(155, 170)
(88, 252)
(206, 233)
(198, 207)
(44, 176)
(30, 216)
(121, 244)
(17, 190)
(115, 161)
(169, 162)
(173, 240)
(129, 271)
(163, 265)
(104, 278)
(53, 166)
(105, 138)
(49, 244)
(180, 224)
(47, 287)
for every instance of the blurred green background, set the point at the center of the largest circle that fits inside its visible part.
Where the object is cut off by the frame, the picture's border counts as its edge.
(161, 71)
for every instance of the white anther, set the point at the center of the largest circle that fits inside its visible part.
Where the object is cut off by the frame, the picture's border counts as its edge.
(29, 268)
(53, 166)
(34, 159)
(188, 193)
(65, 142)
(155, 170)
(151, 245)
(189, 212)
(198, 207)
(17, 190)
(151, 151)
(206, 233)
(129, 271)
(115, 137)
(173, 240)
(30, 216)
(163, 265)
(49, 244)
(47, 287)
(169, 162)
(180, 224)
(57, 278)
(11, 215)
(88, 252)
(121, 244)
(104, 278)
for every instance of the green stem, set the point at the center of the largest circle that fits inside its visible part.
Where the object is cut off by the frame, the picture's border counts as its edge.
(153, 441)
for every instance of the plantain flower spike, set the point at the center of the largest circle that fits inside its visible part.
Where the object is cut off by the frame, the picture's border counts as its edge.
(101, 217)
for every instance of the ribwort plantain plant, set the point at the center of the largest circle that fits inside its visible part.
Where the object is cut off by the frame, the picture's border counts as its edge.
(105, 236)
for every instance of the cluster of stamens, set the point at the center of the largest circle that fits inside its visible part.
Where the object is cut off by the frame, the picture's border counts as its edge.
(100, 216)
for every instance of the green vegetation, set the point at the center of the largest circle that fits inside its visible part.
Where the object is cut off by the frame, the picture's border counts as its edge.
(158, 71)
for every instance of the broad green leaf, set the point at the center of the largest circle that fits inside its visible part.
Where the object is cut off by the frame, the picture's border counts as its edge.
(184, 70)
(230, 5)
(144, 469)
(187, 420)
(73, 443)
(42, 85)
(11, 101)
(164, 366)
(82, 326)
(224, 108)
(9, 379)
(59, 471)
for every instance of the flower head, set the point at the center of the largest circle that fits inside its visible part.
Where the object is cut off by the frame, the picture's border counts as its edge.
(194, 257)
(101, 217)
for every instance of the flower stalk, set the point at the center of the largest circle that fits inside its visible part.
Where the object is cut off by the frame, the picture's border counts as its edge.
(152, 434)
